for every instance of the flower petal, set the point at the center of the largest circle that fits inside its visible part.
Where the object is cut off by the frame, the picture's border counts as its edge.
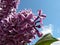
(39, 12)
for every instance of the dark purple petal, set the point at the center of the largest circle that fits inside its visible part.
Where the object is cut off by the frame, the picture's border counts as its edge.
(29, 16)
(43, 15)
(38, 26)
(39, 12)
(39, 33)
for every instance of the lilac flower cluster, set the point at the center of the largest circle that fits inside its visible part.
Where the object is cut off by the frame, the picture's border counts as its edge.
(18, 28)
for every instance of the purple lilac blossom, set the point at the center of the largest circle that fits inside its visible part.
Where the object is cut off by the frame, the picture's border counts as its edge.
(18, 28)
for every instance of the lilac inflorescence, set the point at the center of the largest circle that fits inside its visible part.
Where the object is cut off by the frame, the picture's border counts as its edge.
(19, 28)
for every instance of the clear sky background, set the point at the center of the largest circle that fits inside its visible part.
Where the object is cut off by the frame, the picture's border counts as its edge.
(50, 7)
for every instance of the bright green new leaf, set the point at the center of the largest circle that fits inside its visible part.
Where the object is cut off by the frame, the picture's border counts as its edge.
(46, 40)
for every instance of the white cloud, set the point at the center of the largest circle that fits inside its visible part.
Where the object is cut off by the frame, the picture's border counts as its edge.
(58, 38)
(47, 29)
(56, 43)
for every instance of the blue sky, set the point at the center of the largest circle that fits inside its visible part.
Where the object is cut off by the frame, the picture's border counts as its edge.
(50, 7)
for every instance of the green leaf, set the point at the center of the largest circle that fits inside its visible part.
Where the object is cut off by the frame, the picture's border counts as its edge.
(46, 40)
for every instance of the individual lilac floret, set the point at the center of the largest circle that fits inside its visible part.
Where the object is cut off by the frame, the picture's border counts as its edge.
(42, 16)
